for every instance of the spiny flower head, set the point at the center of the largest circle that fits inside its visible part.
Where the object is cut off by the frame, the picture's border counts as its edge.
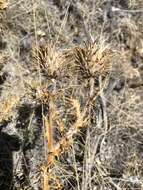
(93, 61)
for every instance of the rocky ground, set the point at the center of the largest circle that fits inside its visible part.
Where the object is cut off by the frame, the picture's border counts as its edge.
(65, 124)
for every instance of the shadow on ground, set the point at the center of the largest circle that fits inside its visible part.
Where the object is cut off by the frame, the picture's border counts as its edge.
(8, 144)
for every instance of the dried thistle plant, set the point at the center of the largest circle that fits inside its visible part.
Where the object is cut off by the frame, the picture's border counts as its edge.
(67, 114)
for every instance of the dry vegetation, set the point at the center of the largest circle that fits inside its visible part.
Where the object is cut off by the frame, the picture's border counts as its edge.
(71, 91)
